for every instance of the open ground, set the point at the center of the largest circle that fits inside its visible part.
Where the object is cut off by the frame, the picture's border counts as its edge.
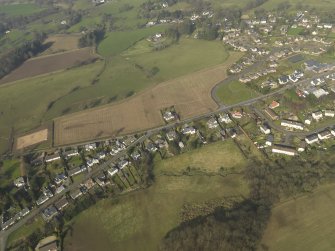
(61, 43)
(138, 221)
(32, 139)
(50, 63)
(190, 95)
(304, 223)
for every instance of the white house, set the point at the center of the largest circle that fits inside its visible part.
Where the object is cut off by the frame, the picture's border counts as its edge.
(265, 129)
(292, 124)
(112, 171)
(51, 158)
(325, 134)
(212, 123)
(317, 115)
(19, 182)
(313, 138)
(329, 113)
(224, 117)
(287, 150)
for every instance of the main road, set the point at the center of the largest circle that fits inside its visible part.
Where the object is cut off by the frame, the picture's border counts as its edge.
(222, 108)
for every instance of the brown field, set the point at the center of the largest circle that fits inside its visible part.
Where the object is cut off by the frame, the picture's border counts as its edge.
(32, 139)
(50, 63)
(61, 43)
(190, 95)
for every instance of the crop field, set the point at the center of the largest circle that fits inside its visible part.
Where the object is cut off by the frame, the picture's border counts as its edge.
(189, 94)
(61, 43)
(138, 221)
(32, 139)
(304, 223)
(14, 10)
(47, 64)
(235, 92)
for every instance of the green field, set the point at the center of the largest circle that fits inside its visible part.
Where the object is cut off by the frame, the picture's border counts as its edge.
(235, 92)
(9, 170)
(138, 221)
(322, 4)
(14, 10)
(304, 223)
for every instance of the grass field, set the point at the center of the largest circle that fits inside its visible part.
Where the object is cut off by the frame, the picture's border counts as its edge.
(189, 94)
(14, 10)
(9, 171)
(138, 221)
(322, 4)
(305, 223)
(235, 92)
(61, 43)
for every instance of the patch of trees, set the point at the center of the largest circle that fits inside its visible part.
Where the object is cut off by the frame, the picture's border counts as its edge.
(92, 38)
(15, 57)
(184, 28)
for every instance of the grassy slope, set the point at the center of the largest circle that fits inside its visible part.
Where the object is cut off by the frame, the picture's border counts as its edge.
(138, 221)
(14, 10)
(235, 92)
(305, 223)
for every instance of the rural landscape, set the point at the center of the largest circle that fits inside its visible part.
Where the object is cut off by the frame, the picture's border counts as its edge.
(167, 125)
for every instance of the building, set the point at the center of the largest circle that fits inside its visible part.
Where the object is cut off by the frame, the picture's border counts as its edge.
(52, 246)
(188, 130)
(237, 115)
(265, 128)
(122, 164)
(271, 114)
(51, 158)
(329, 113)
(212, 123)
(60, 178)
(269, 140)
(325, 134)
(135, 155)
(287, 150)
(313, 138)
(308, 120)
(292, 124)
(274, 104)
(49, 213)
(151, 147)
(76, 194)
(71, 153)
(302, 146)
(112, 171)
(317, 115)
(90, 147)
(283, 80)
(224, 118)
(168, 116)
(62, 203)
(77, 170)
(171, 135)
(19, 182)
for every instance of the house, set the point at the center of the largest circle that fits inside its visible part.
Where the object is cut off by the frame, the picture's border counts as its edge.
(265, 128)
(42, 199)
(283, 80)
(181, 145)
(77, 170)
(188, 130)
(151, 147)
(308, 120)
(89, 184)
(59, 189)
(292, 124)
(168, 116)
(76, 194)
(328, 26)
(293, 78)
(171, 135)
(317, 115)
(287, 150)
(91, 162)
(19, 182)
(329, 113)
(325, 134)
(320, 92)
(212, 123)
(313, 138)
(102, 180)
(49, 213)
(237, 114)
(302, 146)
(269, 140)
(51, 246)
(60, 178)
(271, 114)
(224, 118)
(71, 153)
(90, 147)
(161, 143)
(51, 158)
(135, 155)
(62, 203)
(101, 155)
(274, 104)
(112, 171)
(122, 164)
(24, 212)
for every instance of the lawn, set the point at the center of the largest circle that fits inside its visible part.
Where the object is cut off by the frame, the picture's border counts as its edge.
(305, 223)
(235, 92)
(9, 171)
(138, 221)
(15, 10)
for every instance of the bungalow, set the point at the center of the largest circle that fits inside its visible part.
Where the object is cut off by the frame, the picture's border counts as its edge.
(135, 155)
(52, 157)
(283, 80)
(77, 170)
(188, 130)
(171, 135)
(265, 128)
(60, 178)
(325, 134)
(122, 164)
(62, 203)
(329, 113)
(274, 104)
(75, 194)
(320, 92)
(89, 184)
(287, 150)
(49, 213)
(43, 198)
(308, 120)
(19, 182)
(237, 114)
(151, 147)
(271, 114)
(313, 138)
(161, 143)
(293, 78)
(92, 162)
(212, 123)
(112, 171)
(168, 116)
(101, 155)
(224, 118)
(59, 189)
(292, 124)
(102, 180)
(328, 26)
(90, 147)
(317, 115)
(71, 153)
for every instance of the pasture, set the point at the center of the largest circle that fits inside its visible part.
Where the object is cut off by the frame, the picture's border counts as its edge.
(322, 4)
(32, 139)
(189, 94)
(235, 92)
(20, 9)
(139, 220)
(303, 223)
(50, 63)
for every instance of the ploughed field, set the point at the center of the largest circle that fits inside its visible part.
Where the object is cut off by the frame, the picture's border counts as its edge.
(189, 94)
(47, 64)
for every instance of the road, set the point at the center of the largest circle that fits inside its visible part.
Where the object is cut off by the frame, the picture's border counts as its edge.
(222, 108)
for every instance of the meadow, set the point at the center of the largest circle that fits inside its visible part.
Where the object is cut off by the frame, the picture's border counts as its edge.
(235, 92)
(22, 9)
(303, 223)
(138, 221)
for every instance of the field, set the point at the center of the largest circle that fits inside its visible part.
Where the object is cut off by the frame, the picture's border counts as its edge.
(32, 139)
(304, 223)
(235, 92)
(322, 4)
(47, 64)
(138, 221)
(190, 95)
(9, 171)
(14, 10)
(61, 43)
